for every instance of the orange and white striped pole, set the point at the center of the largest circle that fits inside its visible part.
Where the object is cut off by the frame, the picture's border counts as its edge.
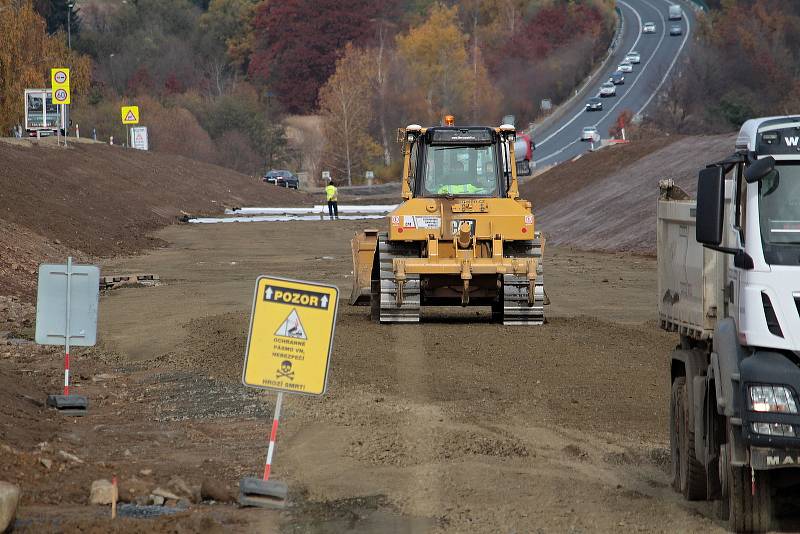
(273, 435)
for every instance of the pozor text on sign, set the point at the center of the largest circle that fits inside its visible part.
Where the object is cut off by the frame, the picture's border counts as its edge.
(296, 297)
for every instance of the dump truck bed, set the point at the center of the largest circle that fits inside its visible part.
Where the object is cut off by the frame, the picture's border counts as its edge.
(690, 277)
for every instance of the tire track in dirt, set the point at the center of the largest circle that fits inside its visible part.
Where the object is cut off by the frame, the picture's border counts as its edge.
(409, 355)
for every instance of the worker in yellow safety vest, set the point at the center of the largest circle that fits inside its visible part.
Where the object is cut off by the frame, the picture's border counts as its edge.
(332, 195)
(460, 189)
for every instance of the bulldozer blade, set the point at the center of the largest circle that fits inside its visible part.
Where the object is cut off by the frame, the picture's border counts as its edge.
(263, 493)
(363, 245)
(76, 405)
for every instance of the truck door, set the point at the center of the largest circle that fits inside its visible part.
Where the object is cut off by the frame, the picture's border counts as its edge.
(737, 216)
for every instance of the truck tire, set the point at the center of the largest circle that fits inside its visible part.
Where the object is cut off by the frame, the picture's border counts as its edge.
(748, 510)
(688, 474)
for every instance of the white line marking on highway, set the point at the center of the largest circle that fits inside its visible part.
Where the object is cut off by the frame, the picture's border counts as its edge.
(674, 60)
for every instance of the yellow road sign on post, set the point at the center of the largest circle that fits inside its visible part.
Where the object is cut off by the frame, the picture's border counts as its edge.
(291, 336)
(130, 114)
(59, 82)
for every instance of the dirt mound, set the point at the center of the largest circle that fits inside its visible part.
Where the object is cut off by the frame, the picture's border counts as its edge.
(607, 200)
(103, 200)
(574, 175)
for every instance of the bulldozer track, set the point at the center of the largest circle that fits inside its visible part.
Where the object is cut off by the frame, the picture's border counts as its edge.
(390, 312)
(516, 308)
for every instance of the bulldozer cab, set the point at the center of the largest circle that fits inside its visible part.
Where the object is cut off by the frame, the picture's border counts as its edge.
(457, 162)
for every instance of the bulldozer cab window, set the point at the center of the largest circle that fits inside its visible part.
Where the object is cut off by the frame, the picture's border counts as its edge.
(460, 171)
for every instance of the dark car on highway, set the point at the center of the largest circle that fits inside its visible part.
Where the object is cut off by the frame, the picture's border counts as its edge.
(594, 104)
(617, 78)
(282, 178)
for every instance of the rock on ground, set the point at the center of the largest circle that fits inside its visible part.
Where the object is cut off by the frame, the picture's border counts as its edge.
(9, 500)
(102, 492)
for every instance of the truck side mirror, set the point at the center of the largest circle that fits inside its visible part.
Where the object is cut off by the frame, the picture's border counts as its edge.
(710, 205)
(759, 169)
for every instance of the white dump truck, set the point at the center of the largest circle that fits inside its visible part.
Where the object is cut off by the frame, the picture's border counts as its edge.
(729, 285)
(42, 117)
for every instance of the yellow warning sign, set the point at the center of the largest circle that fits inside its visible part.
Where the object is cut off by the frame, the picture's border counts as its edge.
(291, 336)
(59, 83)
(130, 114)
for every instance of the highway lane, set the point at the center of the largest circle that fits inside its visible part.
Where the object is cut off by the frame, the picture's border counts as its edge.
(660, 54)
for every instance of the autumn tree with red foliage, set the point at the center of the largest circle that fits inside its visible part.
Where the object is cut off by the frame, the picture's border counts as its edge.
(297, 43)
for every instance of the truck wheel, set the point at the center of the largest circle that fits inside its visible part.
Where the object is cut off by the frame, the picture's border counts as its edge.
(688, 474)
(748, 510)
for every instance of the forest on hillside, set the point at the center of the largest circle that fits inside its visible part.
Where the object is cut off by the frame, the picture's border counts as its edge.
(216, 79)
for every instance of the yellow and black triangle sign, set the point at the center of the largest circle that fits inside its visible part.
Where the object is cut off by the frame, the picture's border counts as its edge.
(292, 327)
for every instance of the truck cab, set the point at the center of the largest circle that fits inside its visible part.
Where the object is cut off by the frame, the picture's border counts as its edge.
(731, 289)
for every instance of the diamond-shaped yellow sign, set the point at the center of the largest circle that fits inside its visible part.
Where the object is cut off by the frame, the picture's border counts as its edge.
(130, 114)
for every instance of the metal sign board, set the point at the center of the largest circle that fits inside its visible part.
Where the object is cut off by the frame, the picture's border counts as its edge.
(291, 336)
(130, 114)
(51, 304)
(139, 138)
(59, 82)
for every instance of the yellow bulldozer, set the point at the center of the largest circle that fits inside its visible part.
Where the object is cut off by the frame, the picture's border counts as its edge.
(461, 236)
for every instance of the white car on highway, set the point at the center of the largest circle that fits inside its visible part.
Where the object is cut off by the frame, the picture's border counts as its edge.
(649, 27)
(625, 66)
(608, 89)
(588, 133)
(634, 57)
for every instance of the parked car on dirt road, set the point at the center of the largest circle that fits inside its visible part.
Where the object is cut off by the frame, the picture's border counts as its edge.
(282, 178)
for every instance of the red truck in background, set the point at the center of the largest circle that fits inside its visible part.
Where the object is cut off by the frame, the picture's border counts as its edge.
(523, 154)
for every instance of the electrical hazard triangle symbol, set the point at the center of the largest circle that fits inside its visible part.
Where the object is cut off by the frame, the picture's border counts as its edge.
(292, 327)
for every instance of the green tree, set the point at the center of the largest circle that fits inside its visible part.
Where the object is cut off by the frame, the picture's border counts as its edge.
(225, 38)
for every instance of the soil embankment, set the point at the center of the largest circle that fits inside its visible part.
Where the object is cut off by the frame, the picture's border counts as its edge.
(606, 200)
(92, 199)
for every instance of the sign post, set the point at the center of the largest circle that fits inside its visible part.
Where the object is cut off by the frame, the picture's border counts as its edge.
(66, 314)
(59, 82)
(289, 347)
